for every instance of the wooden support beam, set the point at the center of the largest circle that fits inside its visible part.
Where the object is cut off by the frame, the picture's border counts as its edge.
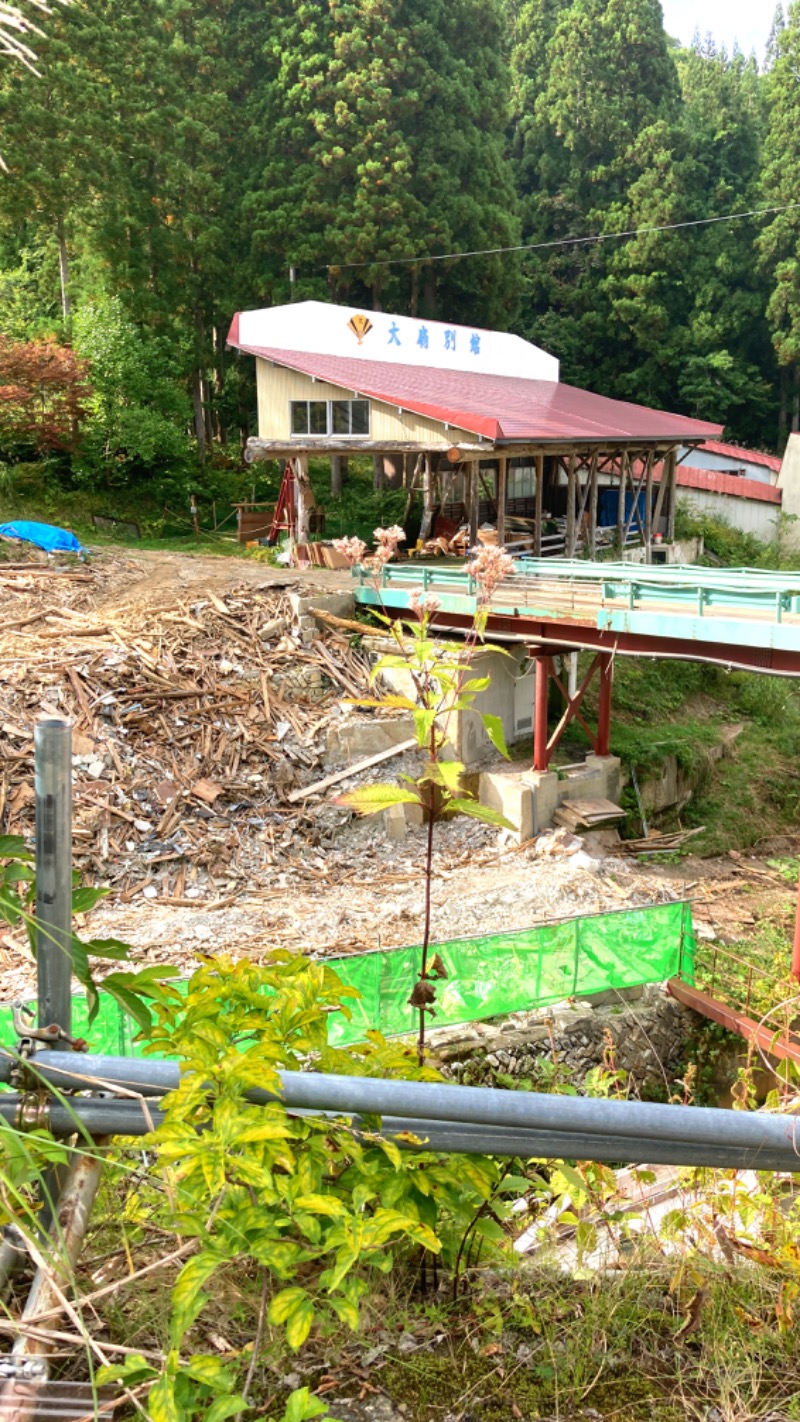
(593, 494)
(538, 506)
(662, 490)
(413, 485)
(473, 502)
(502, 487)
(671, 472)
(258, 448)
(427, 498)
(584, 491)
(623, 481)
(571, 501)
(636, 492)
(305, 497)
(648, 509)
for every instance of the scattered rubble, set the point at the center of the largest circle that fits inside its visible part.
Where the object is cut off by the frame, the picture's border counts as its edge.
(192, 725)
(199, 711)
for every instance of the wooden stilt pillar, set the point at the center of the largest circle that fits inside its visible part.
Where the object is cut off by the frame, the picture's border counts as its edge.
(670, 471)
(542, 685)
(648, 510)
(593, 494)
(427, 500)
(539, 506)
(604, 704)
(571, 481)
(623, 482)
(502, 489)
(473, 503)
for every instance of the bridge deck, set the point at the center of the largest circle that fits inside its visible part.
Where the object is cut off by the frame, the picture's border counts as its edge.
(735, 616)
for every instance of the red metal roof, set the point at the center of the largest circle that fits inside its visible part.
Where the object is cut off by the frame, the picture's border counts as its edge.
(500, 407)
(715, 481)
(747, 456)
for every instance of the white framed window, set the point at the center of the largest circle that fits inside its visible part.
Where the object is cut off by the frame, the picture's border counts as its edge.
(521, 481)
(329, 417)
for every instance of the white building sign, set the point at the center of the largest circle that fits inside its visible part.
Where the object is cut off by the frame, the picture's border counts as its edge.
(344, 331)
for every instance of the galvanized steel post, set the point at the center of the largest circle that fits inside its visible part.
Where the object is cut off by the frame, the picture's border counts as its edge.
(53, 767)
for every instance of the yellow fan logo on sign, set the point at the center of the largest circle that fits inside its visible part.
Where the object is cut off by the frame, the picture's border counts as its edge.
(360, 326)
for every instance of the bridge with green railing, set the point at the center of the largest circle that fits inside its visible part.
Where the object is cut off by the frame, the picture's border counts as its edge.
(742, 617)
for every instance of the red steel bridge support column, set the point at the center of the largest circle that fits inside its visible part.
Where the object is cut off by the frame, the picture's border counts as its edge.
(541, 755)
(603, 745)
(544, 745)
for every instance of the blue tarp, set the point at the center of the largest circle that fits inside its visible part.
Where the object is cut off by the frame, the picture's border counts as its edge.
(609, 504)
(44, 535)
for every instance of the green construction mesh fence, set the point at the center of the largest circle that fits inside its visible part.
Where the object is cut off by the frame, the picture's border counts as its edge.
(487, 976)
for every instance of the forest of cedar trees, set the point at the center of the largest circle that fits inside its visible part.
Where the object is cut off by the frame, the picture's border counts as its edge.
(171, 163)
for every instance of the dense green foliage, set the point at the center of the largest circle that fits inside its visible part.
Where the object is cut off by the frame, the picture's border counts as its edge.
(173, 163)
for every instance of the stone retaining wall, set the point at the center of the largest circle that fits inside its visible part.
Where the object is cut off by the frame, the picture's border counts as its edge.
(644, 1031)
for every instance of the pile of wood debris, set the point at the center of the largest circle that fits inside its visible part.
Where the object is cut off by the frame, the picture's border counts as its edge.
(192, 725)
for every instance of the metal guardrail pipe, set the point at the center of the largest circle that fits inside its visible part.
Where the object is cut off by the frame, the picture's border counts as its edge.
(129, 1118)
(435, 1101)
(53, 779)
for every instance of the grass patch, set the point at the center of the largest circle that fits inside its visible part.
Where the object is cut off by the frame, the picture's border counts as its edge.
(682, 709)
(42, 491)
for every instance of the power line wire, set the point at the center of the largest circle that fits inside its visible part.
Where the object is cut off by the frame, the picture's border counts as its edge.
(562, 241)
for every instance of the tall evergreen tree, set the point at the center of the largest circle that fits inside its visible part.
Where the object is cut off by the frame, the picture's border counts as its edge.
(384, 130)
(727, 368)
(780, 241)
(598, 151)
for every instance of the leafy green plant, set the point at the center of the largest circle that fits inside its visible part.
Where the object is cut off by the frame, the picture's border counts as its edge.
(440, 687)
(138, 412)
(17, 901)
(311, 1206)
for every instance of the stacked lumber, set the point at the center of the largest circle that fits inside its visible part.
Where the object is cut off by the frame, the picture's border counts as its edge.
(655, 843)
(587, 814)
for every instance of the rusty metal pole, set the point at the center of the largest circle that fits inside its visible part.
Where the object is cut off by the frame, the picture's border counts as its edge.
(53, 771)
(603, 746)
(21, 1399)
(540, 713)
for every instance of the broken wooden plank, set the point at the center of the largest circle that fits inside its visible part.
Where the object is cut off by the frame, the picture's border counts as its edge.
(320, 785)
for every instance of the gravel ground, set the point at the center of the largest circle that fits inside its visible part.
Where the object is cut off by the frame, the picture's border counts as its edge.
(368, 895)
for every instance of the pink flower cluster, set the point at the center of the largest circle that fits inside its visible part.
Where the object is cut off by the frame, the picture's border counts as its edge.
(386, 541)
(489, 567)
(352, 548)
(423, 603)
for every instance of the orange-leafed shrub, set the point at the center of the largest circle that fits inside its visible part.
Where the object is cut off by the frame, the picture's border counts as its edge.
(43, 392)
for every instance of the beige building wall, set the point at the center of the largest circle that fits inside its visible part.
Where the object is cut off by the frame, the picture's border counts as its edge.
(276, 387)
(789, 484)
